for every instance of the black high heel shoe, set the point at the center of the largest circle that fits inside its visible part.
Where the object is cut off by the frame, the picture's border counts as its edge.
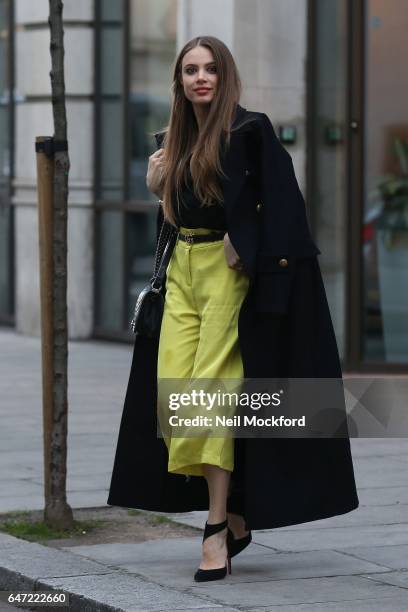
(236, 545)
(203, 575)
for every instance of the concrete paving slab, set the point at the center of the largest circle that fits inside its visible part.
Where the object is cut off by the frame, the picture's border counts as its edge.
(382, 496)
(79, 483)
(87, 499)
(98, 374)
(396, 578)
(257, 568)
(194, 519)
(88, 483)
(18, 488)
(76, 468)
(145, 558)
(36, 561)
(393, 557)
(363, 515)
(8, 443)
(76, 499)
(396, 603)
(82, 498)
(391, 470)
(162, 558)
(134, 594)
(379, 447)
(338, 538)
(16, 503)
(152, 550)
(26, 471)
(250, 595)
(8, 540)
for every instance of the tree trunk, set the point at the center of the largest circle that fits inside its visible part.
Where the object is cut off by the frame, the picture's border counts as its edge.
(57, 511)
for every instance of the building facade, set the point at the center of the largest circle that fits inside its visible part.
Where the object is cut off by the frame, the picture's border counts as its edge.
(331, 76)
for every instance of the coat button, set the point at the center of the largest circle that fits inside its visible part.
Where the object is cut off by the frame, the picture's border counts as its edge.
(258, 207)
(283, 262)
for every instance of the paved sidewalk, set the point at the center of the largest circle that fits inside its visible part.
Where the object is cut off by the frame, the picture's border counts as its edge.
(357, 561)
(98, 374)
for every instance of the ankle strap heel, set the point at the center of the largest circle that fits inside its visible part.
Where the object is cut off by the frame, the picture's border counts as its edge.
(203, 575)
(212, 528)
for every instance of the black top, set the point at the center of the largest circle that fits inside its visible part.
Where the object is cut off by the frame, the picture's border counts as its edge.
(192, 215)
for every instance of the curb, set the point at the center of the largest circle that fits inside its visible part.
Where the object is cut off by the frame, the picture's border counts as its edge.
(13, 581)
(91, 586)
(15, 577)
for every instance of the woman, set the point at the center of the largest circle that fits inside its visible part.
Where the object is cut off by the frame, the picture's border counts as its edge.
(244, 298)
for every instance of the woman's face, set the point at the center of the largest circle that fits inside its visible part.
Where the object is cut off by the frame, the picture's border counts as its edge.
(199, 75)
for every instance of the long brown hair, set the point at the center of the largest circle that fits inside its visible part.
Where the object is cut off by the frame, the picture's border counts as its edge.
(182, 141)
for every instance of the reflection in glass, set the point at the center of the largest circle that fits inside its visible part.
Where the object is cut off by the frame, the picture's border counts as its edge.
(153, 49)
(329, 180)
(112, 162)
(111, 265)
(6, 284)
(127, 240)
(385, 235)
(112, 85)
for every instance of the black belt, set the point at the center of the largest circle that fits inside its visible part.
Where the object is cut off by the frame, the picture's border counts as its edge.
(193, 238)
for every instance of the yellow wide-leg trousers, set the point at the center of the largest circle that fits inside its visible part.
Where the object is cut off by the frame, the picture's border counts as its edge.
(199, 338)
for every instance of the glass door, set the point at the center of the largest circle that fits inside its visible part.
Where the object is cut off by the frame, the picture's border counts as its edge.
(6, 147)
(358, 174)
(135, 49)
(327, 150)
(384, 248)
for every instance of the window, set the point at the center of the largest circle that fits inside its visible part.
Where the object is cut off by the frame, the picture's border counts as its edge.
(136, 47)
(6, 162)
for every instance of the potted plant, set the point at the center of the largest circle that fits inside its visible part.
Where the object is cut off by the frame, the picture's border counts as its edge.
(392, 249)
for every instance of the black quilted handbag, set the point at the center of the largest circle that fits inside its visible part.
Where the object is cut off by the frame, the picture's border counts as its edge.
(149, 306)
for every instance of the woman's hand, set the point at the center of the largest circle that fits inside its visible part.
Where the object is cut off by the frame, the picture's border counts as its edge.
(231, 255)
(154, 176)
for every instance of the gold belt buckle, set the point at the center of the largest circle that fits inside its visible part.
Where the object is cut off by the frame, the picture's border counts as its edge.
(189, 238)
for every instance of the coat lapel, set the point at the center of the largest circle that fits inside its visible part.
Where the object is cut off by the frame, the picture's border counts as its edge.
(233, 162)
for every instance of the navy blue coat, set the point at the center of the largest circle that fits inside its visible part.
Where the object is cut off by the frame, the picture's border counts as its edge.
(284, 329)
